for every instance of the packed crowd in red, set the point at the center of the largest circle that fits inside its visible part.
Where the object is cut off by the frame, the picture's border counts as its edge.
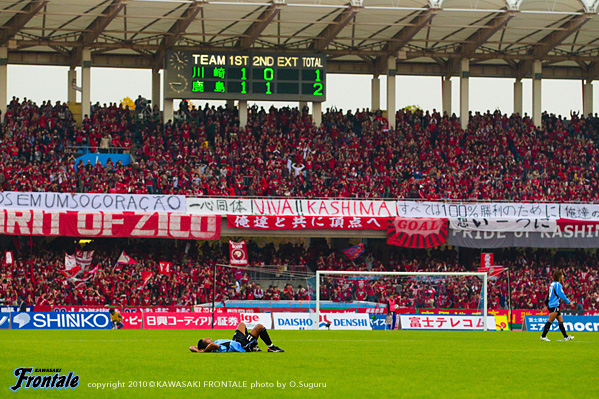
(191, 277)
(281, 153)
(38, 279)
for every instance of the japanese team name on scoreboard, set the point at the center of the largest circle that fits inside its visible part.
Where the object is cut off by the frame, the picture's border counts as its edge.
(245, 76)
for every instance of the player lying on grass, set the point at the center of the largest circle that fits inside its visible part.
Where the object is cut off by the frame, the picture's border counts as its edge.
(242, 341)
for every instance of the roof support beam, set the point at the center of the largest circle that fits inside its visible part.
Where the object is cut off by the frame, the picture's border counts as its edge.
(254, 31)
(480, 37)
(176, 31)
(404, 36)
(554, 39)
(593, 71)
(328, 34)
(17, 22)
(95, 29)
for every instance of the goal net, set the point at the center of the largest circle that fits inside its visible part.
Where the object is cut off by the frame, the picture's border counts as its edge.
(409, 290)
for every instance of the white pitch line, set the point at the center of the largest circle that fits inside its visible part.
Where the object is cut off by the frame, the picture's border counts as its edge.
(98, 340)
(575, 342)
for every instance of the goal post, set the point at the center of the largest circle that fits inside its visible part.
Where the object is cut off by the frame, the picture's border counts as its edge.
(482, 275)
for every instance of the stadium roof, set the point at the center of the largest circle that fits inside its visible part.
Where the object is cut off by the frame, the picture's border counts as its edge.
(501, 38)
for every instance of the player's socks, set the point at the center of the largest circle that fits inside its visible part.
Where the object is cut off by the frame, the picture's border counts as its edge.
(562, 329)
(265, 337)
(546, 329)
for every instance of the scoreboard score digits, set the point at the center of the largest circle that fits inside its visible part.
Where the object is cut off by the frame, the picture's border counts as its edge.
(245, 76)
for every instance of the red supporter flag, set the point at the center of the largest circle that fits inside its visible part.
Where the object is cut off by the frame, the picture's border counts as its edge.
(125, 259)
(69, 262)
(355, 251)
(492, 271)
(238, 253)
(164, 267)
(70, 273)
(8, 259)
(417, 232)
(95, 269)
(145, 276)
(84, 258)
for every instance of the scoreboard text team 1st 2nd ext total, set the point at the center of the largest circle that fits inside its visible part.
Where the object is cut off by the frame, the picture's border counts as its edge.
(245, 76)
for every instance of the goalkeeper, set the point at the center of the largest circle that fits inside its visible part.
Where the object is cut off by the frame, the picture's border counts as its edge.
(556, 292)
(242, 342)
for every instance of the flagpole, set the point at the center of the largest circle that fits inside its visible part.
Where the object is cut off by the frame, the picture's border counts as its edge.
(509, 290)
(31, 262)
(213, 293)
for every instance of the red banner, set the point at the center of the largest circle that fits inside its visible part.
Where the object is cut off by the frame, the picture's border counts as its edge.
(492, 271)
(486, 259)
(417, 232)
(518, 314)
(132, 320)
(154, 309)
(124, 309)
(306, 222)
(383, 309)
(164, 267)
(109, 224)
(172, 320)
(238, 253)
(77, 308)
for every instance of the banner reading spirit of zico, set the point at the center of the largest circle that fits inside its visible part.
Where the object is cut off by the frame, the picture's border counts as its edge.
(445, 322)
(109, 224)
(92, 202)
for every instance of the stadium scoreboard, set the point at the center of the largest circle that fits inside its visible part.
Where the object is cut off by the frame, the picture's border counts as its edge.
(245, 76)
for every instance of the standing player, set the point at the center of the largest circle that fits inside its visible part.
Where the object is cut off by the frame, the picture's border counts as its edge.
(556, 292)
(391, 313)
(242, 342)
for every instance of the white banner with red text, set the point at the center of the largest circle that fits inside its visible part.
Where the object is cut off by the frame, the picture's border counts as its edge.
(306, 222)
(445, 322)
(290, 207)
(92, 202)
(378, 208)
(109, 224)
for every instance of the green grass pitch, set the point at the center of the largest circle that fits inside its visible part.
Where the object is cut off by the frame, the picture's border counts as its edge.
(352, 364)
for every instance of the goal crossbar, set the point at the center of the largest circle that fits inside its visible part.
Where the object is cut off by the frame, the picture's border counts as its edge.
(366, 273)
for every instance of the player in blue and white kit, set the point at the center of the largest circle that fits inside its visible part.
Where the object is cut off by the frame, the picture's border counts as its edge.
(242, 342)
(556, 292)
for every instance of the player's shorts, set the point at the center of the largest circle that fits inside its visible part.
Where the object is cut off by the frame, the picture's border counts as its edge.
(555, 309)
(245, 340)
